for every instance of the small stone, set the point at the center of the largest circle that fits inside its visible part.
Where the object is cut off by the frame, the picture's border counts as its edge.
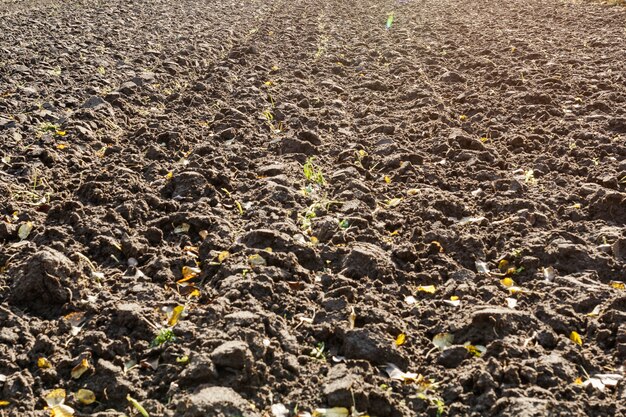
(452, 77)
(199, 86)
(234, 354)
(215, 402)
(310, 137)
(452, 356)
(200, 370)
(8, 231)
(371, 346)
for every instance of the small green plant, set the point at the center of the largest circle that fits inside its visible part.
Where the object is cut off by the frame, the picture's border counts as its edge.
(312, 173)
(318, 352)
(164, 336)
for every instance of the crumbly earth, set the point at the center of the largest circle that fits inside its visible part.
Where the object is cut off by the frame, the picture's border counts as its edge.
(469, 142)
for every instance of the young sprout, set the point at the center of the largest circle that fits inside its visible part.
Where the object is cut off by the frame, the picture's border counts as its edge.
(164, 336)
(312, 173)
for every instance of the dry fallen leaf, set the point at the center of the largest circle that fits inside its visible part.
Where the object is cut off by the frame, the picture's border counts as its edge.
(85, 396)
(618, 285)
(430, 289)
(394, 202)
(511, 302)
(476, 350)
(182, 228)
(454, 301)
(481, 267)
(189, 272)
(175, 315)
(507, 282)
(80, 369)
(222, 256)
(595, 312)
(410, 300)
(401, 339)
(24, 230)
(549, 273)
(600, 381)
(55, 400)
(443, 340)
(575, 337)
(396, 373)
(279, 410)
(256, 260)
(503, 265)
(43, 363)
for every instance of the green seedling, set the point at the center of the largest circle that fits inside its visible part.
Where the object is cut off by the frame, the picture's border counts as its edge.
(312, 173)
(164, 336)
(344, 224)
(318, 352)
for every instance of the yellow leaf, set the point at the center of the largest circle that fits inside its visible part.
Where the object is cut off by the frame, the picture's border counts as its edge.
(61, 132)
(475, 350)
(169, 175)
(223, 255)
(25, 230)
(268, 83)
(43, 363)
(575, 337)
(61, 146)
(462, 117)
(412, 191)
(189, 272)
(454, 301)
(387, 179)
(443, 340)
(4, 403)
(314, 241)
(401, 339)
(80, 369)
(256, 260)
(182, 228)
(515, 289)
(55, 397)
(595, 312)
(618, 285)
(175, 315)
(507, 282)
(578, 381)
(195, 293)
(430, 289)
(85, 396)
(437, 245)
(61, 410)
(394, 202)
(503, 265)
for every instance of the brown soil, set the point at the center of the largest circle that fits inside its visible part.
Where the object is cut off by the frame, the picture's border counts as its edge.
(141, 137)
